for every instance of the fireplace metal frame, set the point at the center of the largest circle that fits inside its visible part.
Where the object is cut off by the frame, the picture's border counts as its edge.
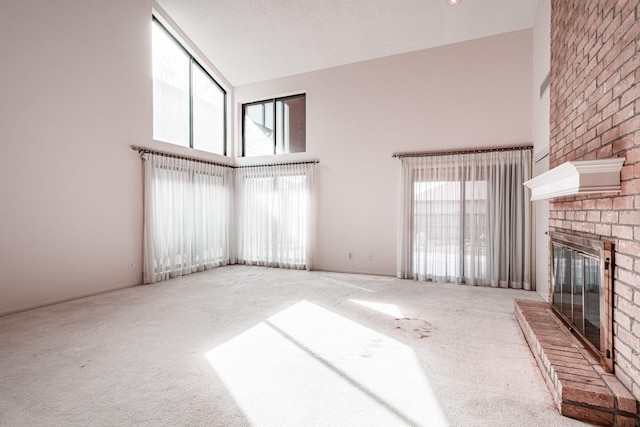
(603, 251)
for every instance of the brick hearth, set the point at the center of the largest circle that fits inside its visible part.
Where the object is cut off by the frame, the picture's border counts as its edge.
(580, 387)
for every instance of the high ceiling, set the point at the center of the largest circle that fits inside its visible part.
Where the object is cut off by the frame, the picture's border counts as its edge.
(255, 40)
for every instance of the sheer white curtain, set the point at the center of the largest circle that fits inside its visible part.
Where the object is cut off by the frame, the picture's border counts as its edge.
(466, 218)
(187, 213)
(273, 214)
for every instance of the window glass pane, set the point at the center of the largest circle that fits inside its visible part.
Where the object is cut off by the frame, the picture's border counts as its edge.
(268, 116)
(255, 113)
(170, 89)
(208, 113)
(475, 228)
(436, 224)
(258, 129)
(292, 218)
(280, 130)
(567, 296)
(592, 300)
(294, 121)
(577, 312)
(560, 275)
(284, 133)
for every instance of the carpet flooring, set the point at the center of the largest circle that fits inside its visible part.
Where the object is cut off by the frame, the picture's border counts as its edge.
(253, 346)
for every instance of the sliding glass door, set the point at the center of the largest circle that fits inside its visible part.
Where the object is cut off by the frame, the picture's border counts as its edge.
(466, 219)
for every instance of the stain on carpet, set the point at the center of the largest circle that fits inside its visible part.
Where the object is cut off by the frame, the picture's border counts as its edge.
(414, 328)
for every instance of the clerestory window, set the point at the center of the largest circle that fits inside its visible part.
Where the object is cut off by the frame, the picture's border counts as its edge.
(189, 106)
(274, 126)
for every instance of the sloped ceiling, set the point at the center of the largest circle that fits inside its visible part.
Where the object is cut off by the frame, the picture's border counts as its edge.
(255, 40)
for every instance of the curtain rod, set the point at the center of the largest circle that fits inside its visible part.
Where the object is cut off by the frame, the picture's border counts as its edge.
(302, 162)
(143, 150)
(462, 151)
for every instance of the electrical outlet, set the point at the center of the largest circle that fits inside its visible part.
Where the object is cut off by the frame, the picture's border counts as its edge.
(370, 256)
(132, 265)
(351, 255)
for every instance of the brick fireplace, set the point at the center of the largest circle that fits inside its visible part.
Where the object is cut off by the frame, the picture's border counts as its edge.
(595, 114)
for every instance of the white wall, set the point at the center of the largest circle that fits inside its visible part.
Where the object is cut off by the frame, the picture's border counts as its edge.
(472, 94)
(76, 91)
(540, 131)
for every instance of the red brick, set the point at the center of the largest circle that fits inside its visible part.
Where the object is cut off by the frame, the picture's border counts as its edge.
(609, 216)
(630, 126)
(622, 320)
(585, 227)
(608, 102)
(628, 338)
(630, 217)
(632, 93)
(623, 261)
(624, 54)
(605, 151)
(581, 370)
(593, 216)
(605, 125)
(622, 232)
(631, 186)
(603, 230)
(623, 143)
(604, 204)
(594, 120)
(623, 114)
(623, 202)
(628, 307)
(586, 414)
(629, 277)
(597, 381)
(626, 31)
(589, 394)
(580, 216)
(609, 136)
(622, 351)
(622, 421)
(632, 156)
(627, 172)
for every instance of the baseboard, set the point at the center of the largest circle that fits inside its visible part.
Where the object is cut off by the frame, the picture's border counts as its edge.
(66, 299)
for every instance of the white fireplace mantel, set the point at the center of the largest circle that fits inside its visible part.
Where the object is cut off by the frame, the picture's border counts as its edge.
(578, 177)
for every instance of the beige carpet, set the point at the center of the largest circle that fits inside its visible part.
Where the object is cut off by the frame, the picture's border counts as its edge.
(241, 346)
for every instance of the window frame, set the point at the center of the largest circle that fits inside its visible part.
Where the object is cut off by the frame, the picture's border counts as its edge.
(274, 102)
(193, 61)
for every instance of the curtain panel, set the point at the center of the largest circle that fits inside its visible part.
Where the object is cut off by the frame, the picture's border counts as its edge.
(274, 215)
(187, 216)
(466, 218)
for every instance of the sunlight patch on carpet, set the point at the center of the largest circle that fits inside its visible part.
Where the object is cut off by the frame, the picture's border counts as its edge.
(309, 366)
(389, 309)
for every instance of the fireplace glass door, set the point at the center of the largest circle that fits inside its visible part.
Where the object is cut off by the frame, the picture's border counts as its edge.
(576, 292)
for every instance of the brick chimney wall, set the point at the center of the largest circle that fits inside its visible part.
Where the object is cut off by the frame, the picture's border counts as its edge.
(595, 114)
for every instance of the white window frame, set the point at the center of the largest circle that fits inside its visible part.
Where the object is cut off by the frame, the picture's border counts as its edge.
(278, 127)
(195, 61)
